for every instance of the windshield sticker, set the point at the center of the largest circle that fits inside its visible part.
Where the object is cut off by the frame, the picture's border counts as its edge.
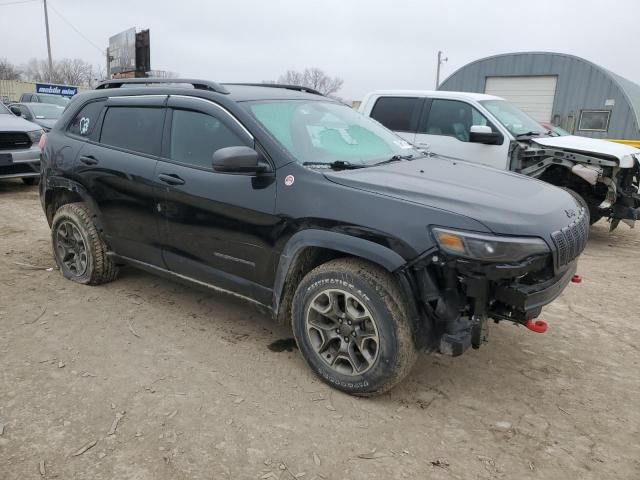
(402, 144)
(84, 125)
(288, 180)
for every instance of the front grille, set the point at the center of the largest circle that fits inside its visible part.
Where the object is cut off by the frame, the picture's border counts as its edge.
(571, 240)
(14, 140)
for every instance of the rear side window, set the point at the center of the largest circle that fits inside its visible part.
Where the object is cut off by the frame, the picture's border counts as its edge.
(133, 128)
(196, 136)
(396, 113)
(86, 119)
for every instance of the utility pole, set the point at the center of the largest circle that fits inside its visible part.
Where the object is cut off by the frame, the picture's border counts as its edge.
(440, 62)
(46, 24)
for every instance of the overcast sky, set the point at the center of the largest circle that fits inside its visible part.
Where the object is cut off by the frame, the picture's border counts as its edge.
(370, 44)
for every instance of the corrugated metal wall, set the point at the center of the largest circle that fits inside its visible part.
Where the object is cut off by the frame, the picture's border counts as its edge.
(581, 85)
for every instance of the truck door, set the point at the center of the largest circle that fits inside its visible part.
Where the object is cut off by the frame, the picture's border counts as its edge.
(445, 129)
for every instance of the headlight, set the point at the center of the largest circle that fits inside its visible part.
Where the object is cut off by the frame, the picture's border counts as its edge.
(35, 136)
(490, 248)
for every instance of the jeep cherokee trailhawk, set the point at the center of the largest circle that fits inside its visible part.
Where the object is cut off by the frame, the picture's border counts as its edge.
(298, 203)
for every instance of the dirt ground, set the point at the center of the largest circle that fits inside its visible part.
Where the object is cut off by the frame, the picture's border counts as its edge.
(202, 396)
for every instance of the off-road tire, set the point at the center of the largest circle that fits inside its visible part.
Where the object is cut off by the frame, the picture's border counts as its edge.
(99, 267)
(380, 294)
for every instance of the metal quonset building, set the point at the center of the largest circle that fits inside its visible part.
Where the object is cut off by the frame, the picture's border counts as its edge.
(576, 94)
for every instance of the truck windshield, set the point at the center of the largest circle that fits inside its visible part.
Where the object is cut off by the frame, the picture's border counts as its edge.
(3, 110)
(514, 119)
(319, 133)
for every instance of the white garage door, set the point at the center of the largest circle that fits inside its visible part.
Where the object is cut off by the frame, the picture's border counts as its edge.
(533, 94)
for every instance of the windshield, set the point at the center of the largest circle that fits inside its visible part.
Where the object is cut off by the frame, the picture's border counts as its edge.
(3, 110)
(514, 119)
(324, 132)
(47, 110)
(55, 100)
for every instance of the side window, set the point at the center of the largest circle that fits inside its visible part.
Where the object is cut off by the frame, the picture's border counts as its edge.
(86, 119)
(453, 118)
(25, 98)
(396, 113)
(195, 136)
(133, 128)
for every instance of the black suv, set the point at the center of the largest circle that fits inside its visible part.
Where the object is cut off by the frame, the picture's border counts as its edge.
(276, 194)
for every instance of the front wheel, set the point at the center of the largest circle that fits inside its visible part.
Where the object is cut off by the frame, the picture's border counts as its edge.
(352, 327)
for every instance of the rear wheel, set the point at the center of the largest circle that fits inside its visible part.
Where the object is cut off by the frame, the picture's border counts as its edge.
(352, 327)
(78, 249)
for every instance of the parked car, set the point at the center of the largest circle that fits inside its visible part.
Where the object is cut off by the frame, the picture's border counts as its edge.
(44, 114)
(489, 130)
(301, 205)
(554, 129)
(44, 98)
(19, 150)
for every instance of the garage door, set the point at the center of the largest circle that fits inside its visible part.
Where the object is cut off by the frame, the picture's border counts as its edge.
(533, 94)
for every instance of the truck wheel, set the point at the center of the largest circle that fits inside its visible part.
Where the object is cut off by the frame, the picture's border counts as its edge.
(79, 251)
(352, 327)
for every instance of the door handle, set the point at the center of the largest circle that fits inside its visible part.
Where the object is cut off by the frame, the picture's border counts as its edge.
(89, 160)
(170, 179)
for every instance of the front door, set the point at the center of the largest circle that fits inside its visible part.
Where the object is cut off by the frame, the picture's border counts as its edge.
(445, 129)
(215, 227)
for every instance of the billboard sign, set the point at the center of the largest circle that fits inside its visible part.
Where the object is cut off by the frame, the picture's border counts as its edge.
(122, 52)
(62, 90)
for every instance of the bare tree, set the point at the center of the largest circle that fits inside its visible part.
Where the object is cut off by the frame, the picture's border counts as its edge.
(313, 78)
(66, 71)
(8, 71)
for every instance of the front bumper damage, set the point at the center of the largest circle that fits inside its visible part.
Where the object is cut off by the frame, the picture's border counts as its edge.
(459, 296)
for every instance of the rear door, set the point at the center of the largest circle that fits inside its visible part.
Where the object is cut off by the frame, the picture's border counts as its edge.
(118, 170)
(399, 114)
(215, 227)
(445, 128)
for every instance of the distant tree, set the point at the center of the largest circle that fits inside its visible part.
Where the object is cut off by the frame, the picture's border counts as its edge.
(67, 71)
(313, 78)
(8, 71)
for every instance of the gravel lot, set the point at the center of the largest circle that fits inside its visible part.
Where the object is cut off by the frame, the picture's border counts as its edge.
(202, 396)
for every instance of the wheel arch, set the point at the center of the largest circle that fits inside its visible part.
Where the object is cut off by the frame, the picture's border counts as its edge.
(309, 248)
(61, 191)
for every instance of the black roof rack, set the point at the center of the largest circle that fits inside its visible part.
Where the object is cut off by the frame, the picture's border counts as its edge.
(299, 88)
(197, 84)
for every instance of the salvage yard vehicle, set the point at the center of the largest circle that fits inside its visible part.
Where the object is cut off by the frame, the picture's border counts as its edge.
(297, 203)
(19, 150)
(43, 114)
(489, 130)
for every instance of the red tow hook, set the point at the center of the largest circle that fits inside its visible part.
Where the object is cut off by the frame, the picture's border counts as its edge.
(576, 279)
(539, 326)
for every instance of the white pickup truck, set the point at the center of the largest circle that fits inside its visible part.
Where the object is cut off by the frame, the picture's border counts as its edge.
(489, 130)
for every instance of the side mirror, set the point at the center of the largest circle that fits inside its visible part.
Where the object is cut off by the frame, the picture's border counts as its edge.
(16, 111)
(243, 160)
(484, 134)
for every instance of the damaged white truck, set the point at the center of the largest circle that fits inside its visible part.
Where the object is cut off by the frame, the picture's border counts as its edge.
(489, 130)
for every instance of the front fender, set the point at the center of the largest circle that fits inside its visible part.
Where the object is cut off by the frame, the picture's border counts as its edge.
(330, 240)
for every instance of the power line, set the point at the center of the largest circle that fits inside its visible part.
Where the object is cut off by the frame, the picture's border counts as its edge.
(101, 50)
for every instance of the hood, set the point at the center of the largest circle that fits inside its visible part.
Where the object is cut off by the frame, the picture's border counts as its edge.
(11, 123)
(587, 145)
(46, 123)
(506, 203)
